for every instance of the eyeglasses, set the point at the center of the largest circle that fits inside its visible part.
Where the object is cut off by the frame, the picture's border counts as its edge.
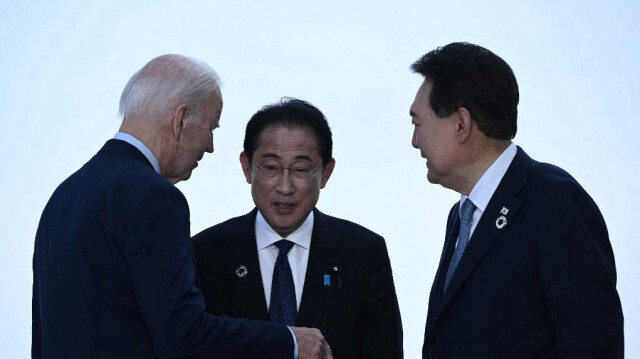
(275, 173)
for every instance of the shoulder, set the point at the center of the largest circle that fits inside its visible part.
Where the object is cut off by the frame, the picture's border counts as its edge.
(538, 181)
(119, 179)
(558, 192)
(327, 224)
(223, 234)
(551, 181)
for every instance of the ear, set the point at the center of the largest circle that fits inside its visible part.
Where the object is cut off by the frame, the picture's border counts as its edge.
(177, 120)
(463, 123)
(246, 167)
(328, 170)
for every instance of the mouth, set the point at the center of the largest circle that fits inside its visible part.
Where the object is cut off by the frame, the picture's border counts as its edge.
(284, 207)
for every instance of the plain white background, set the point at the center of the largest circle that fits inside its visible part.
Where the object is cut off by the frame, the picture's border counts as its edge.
(64, 64)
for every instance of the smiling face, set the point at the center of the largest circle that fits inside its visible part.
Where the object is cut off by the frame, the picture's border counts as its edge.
(195, 138)
(284, 203)
(435, 138)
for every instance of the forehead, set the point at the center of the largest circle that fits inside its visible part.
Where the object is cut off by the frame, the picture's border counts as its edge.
(421, 101)
(213, 106)
(279, 140)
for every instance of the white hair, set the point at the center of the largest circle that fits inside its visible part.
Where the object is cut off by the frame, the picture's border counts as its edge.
(166, 82)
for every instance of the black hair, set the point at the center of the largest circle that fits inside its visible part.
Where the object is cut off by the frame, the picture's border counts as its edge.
(290, 113)
(467, 75)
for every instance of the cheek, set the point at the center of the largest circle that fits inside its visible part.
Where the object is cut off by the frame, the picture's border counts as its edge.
(311, 193)
(421, 139)
(260, 190)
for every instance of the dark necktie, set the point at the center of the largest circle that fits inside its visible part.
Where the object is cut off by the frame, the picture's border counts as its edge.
(282, 308)
(466, 214)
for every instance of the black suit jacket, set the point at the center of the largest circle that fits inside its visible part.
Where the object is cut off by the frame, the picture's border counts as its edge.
(114, 272)
(542, 286)
(358, 313)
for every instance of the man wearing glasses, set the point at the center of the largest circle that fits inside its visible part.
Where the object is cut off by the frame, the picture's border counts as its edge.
(286, 261)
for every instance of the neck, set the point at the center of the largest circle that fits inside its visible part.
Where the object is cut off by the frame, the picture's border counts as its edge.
(481, 157)
(146, 132)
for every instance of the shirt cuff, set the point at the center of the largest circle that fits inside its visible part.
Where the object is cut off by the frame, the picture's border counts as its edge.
(295, 344)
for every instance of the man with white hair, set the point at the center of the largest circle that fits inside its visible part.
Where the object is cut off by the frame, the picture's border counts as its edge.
(114, 275)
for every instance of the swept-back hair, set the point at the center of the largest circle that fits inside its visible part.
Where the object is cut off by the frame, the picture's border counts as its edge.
(166, 82)
(470, 76)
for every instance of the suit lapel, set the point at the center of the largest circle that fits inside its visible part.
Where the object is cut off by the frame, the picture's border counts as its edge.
(453, 227)
(249, 289)
(500, 212)
(323, 256)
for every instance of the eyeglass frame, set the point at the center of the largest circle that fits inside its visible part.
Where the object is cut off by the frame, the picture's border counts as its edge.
(280, 173)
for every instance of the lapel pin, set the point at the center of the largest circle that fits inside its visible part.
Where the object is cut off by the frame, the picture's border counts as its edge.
(501, 222)
(333, 279)
(504, 211)
(241, 271)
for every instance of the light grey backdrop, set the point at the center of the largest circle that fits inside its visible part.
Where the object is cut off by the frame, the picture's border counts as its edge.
(65, 62)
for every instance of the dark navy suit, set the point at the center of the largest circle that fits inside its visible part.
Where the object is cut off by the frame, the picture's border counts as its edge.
(114, 272)
(542, 286)
(357, 312)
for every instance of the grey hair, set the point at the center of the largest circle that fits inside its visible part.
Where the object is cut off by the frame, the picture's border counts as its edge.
(166, 82)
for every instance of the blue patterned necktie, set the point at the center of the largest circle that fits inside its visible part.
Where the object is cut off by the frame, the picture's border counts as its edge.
(282, 308)
(466, 214)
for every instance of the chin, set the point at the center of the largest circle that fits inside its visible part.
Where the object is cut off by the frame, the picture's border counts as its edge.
(186, 176)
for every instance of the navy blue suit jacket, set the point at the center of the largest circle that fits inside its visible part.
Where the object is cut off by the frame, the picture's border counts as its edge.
(114, 272)
(542, 286)
(357, 313)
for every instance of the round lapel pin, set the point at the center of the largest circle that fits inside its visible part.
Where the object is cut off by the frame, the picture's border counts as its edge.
(241, 271)
(501, 222)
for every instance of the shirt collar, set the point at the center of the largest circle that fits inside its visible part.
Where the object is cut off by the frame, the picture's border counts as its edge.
(141, 147)
(266, 236)
(488, 183)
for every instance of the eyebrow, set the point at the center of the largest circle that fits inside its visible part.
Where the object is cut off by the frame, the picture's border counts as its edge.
(273, 155)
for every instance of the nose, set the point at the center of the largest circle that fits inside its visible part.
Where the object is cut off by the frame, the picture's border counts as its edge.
(414, 139)
(285, 184)
(210, 145)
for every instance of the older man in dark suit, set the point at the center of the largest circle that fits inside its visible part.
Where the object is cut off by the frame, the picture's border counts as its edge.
(527, 270)
(113, 266)
(286, 261)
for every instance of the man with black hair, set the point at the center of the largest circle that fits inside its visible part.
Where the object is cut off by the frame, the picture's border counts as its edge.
(527, 269)
(288, 262)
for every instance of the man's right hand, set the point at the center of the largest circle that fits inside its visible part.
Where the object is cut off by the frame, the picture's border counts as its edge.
(311, 344)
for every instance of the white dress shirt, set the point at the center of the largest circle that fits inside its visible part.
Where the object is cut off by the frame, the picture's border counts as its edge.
(141, 147)
(298, 255)
(487, 184)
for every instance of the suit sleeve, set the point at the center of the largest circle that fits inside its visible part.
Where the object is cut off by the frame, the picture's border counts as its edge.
(384, 325)
(577, 270)
(161, 264)
(36, 343)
